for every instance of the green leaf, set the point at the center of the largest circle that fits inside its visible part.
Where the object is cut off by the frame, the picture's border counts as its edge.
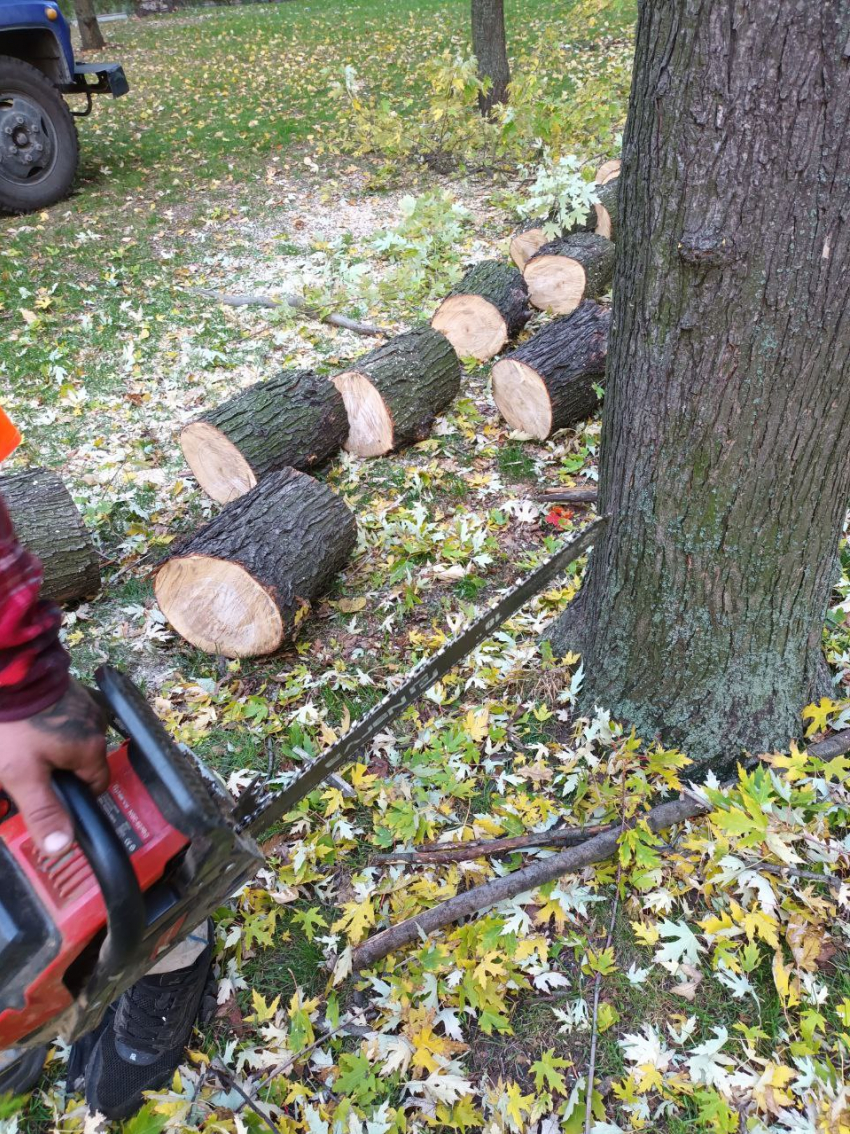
(547, 1074)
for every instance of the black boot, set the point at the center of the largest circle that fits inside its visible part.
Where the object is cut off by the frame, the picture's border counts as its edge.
(144, 1041)
(20, 1069)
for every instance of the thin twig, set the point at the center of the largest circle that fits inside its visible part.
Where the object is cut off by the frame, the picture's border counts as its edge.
(481, 848)
(229, 1081)
(246, 299)
(594, 1029)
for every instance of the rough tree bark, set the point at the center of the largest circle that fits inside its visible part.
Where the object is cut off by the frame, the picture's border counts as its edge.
(725, 459)
(91, 36)
(489, 46)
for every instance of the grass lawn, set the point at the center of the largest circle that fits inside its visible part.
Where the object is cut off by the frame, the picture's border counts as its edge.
(231, 167)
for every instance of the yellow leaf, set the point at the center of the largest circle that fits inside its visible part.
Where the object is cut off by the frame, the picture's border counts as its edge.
(788, 991)
(647, 934)
(351, 605)
(819, 715)
(476, 724)
(356, 919)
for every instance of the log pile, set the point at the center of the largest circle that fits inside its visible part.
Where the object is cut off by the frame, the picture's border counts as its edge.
(548, 383)
(487, 308)
(48, 524)
(564, 272)
(241, 584)
(393, 393)
(294, 420)
(605, 210)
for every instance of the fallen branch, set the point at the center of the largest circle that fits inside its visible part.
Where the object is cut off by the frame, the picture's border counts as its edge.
(246, 299)
(569, 495)
(833, 746)
(509, 886)
(481, 848)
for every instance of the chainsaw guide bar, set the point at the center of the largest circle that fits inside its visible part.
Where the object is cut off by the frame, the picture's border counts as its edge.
(259, 809)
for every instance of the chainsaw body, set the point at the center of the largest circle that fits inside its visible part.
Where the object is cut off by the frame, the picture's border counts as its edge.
(154, 855)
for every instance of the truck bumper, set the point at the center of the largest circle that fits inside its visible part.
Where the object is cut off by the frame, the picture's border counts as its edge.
(108, 78)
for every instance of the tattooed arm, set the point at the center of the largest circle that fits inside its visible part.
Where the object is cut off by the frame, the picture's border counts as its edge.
(47, 721)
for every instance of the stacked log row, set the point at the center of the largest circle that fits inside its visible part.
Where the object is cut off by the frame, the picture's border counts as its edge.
(530, 236)
(548, 383)
(393, 393)
(48, 524)
(487, 308)
(240, 586)
(564, 272)
(294, 420)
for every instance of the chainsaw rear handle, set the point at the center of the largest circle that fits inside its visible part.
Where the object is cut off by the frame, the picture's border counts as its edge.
(110, 863)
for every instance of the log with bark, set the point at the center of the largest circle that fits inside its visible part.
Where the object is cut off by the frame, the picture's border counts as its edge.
(48, 524)
(241, 585)
(393, 393)
(487, 308)
(608, 171)
(564, 272)
(550, 382)
(294, 420)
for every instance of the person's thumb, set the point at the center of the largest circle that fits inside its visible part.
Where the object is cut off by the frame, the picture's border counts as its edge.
(47, 821)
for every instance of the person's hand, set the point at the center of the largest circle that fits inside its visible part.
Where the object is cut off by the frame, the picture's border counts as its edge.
(69, 735)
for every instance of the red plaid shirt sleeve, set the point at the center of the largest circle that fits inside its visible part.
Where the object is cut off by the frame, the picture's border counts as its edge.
(33, 664)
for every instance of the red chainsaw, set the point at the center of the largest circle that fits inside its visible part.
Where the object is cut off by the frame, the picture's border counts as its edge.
(162, 848)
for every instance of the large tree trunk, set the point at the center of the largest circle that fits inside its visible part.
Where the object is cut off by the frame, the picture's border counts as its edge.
(725, 460)
(90, 33)
(490, 49)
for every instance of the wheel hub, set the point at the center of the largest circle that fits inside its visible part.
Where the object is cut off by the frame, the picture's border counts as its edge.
(26, 144)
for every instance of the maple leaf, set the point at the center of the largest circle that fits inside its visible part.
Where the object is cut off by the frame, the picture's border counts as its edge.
(819, 715)
(547, 1074)
(681, 945)
(707, 1063)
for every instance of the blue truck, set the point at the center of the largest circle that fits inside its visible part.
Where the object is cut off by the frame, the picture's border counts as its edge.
(38, 135)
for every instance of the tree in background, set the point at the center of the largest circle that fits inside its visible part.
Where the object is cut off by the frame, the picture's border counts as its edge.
(490, 49)
(725, 456)
(90, 33)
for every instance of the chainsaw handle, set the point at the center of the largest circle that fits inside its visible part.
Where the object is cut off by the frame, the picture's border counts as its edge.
(110, 863)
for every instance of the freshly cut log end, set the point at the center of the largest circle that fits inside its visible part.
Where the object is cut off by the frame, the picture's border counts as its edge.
(295, 419)
(606, 210)
(548, 383)
(608, 171)
(393, 393)
(242, 584)
(48, 524)
(486, 309)
(527, 240)
(564, 272)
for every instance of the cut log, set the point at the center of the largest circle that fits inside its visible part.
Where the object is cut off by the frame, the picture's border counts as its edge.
(548, 384)
(487, 308)
(564, 272)
(294, 420)
(608, 171)
(241, 585)
(48, 524)
(528, 239)
(606, 209)
(393, 393)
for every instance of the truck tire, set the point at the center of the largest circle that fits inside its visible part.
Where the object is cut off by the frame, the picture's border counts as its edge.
(38, 139)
